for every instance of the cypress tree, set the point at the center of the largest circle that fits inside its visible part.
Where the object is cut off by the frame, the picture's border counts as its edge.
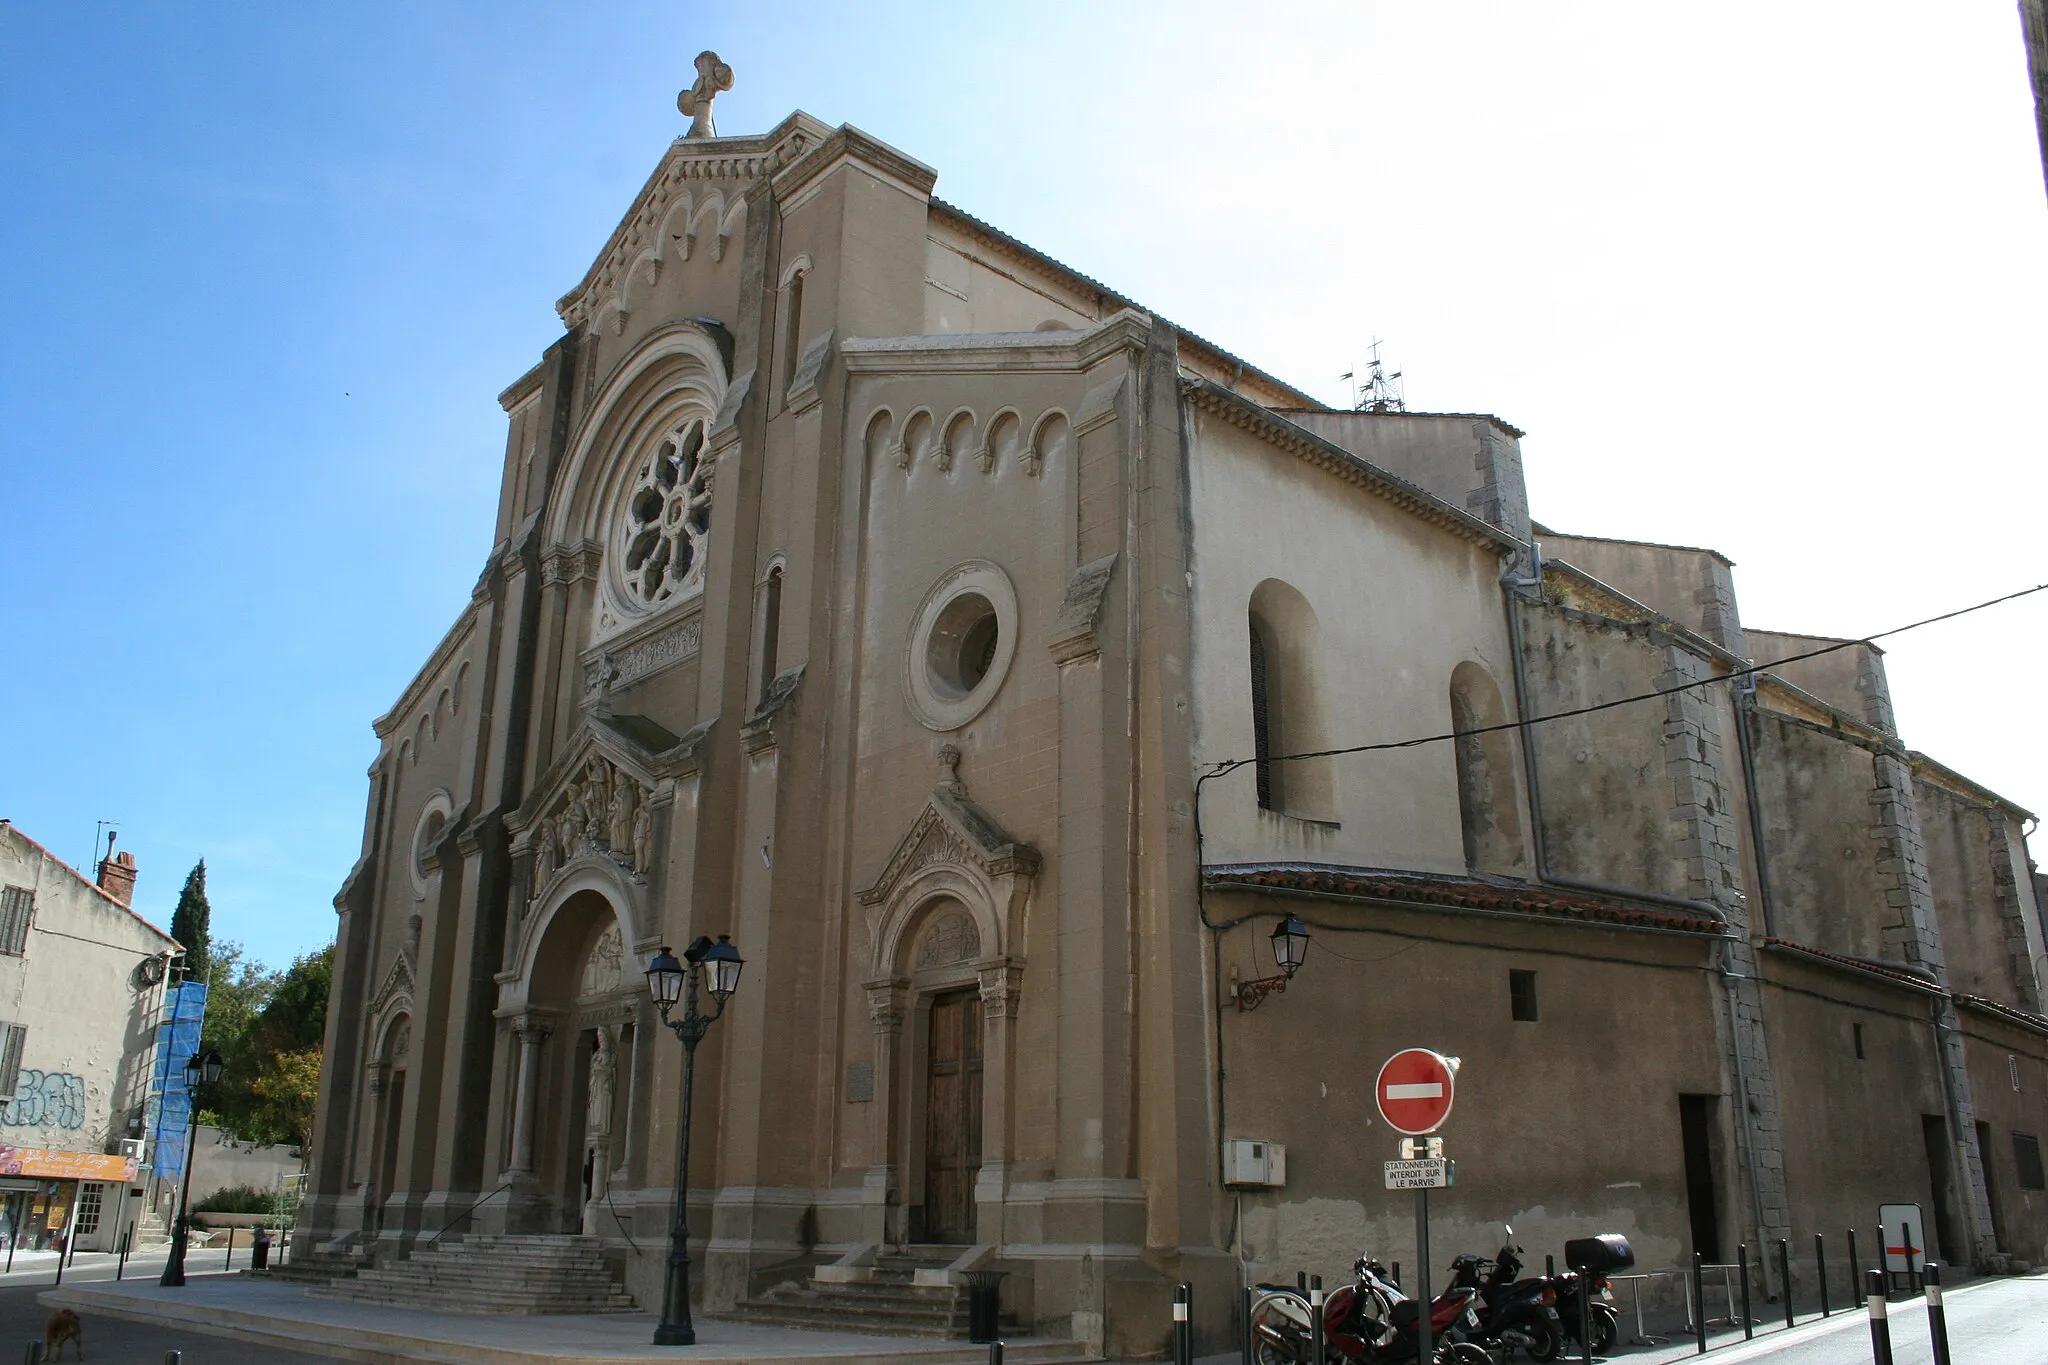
(191, 924)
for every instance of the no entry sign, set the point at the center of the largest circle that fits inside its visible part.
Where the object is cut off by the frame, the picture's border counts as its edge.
(1415, 1090)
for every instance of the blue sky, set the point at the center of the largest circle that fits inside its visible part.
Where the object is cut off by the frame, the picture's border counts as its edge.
(1766, 277)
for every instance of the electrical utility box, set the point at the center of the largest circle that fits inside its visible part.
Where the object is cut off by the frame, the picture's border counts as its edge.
(1250, 1164)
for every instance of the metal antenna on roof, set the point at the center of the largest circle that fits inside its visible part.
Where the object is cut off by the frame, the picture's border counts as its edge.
(1382, 390)
(101, 828)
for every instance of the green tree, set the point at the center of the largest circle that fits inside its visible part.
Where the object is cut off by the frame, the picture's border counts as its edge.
(192, 924)
(269, 1027)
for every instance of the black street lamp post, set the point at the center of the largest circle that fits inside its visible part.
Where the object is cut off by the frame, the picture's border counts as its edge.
(667, 980)
(201, 1071)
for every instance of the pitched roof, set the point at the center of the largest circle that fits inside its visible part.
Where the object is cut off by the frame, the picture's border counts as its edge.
(1478, 895)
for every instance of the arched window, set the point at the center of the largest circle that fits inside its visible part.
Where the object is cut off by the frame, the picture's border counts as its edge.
(771, 628)
(1262, 720)
(792, 328)
(1287, 711)
(1489, 816)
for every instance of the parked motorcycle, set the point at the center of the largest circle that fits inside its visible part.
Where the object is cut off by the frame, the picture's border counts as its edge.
(1370, 1321)
(1514, 1314)
(1602, 1256)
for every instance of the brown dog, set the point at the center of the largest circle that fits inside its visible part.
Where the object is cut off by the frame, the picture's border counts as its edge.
(63, 1326)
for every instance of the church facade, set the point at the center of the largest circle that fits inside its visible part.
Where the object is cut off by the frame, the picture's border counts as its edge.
(939, 624)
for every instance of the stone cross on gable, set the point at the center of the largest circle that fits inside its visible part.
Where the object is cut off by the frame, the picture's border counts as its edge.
(712, 77)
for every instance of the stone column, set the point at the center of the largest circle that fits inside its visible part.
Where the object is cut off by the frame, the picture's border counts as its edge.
(531, 1031)
(888, 1005)
(999, 990)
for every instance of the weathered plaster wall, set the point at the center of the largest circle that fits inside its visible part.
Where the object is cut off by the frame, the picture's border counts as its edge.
(1607, 794)
(1998, 1052)
(968, 289)
(1695, 588)
(1533, 1097)
(1397, 611)
(1983, 933)
(1472, 462)
(1814, 790)
(1851, 680)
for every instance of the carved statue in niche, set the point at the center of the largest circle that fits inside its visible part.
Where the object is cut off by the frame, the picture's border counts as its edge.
(603, 1067)
(624, 806)
(543, 853)
(643, 839)
(573, 819)
(596, 799)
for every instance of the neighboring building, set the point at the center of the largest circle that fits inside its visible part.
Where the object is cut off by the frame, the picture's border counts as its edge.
(877, 590)
(81, 986)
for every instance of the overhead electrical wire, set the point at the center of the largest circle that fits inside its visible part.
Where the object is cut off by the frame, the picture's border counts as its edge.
(1230, 765)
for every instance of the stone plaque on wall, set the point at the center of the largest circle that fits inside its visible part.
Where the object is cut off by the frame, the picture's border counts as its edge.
(860, 1082)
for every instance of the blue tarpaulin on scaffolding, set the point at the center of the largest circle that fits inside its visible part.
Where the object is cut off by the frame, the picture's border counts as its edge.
(177, 1042)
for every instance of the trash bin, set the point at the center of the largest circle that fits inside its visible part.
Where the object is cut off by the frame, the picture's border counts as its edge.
(984, 1303)
(260, 1250)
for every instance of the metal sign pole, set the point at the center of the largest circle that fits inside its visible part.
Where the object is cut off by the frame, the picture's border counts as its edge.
(1422, 1296)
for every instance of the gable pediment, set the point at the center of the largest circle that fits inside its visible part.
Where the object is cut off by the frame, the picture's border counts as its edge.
(398, 984)
(951, 828)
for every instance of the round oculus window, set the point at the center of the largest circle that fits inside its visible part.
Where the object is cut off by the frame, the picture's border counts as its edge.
(961, 644)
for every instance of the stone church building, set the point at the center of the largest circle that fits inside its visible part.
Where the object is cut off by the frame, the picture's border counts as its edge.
(937, 622)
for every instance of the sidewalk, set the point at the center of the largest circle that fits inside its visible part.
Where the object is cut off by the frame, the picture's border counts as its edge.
(283, 1316)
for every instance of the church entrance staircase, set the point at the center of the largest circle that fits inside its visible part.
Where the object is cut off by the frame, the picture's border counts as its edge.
(890, 1301)
(493, 1274)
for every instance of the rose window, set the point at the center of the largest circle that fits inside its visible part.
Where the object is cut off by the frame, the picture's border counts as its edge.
(668, 514)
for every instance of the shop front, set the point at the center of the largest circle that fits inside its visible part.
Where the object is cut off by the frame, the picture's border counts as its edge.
(49, 1199)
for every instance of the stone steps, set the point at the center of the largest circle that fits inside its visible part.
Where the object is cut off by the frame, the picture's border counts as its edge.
(493, 1274)
(890, 1302)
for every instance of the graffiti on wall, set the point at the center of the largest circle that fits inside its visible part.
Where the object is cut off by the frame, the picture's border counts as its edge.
(54, 1099)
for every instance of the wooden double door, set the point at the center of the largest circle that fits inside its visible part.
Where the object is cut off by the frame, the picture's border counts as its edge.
(952, 1116)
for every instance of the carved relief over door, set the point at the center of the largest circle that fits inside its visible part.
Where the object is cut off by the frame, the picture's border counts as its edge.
(952, 1117)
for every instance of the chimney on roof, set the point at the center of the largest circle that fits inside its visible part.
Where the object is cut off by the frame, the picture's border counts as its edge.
(117, 874)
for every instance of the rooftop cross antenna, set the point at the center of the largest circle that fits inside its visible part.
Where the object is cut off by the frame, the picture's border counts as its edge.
(1382, 391)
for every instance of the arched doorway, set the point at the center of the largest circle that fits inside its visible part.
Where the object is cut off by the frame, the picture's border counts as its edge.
(575, 1028)
(388, 1084)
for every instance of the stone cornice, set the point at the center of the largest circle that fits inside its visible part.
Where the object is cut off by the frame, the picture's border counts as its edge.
(1243, 413)
(848, 143)
(1938, 774)
(979, 352)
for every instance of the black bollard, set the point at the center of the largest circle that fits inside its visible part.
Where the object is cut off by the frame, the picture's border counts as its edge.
(1785, 1275)
(1855, 1267)
(1183, 1330)
(1395, 1275)
(33, 1355)
(174, 1358)
(1315, 1321)
(1249, 1341)
(1937, 1316)
(1880, 1329)
(1699, 1299)
(1742, 1274)
(995, 1354)
(1550, 1267)
(231, 1249)
(1820, 1265)
(127, 1240)
(1912, 1257)
(60, 1267)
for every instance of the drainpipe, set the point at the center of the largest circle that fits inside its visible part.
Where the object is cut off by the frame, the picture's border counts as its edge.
(1729, 976)
(1745, 711)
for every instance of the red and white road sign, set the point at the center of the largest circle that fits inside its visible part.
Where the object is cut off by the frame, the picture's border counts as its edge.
(1415, 1090)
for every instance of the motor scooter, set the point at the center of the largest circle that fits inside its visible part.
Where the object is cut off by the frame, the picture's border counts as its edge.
(1370, 1321)
(1514, 1314)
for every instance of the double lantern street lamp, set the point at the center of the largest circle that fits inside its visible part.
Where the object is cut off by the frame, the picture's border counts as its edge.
(202, 1071)
(667, 981)
(1290, 947)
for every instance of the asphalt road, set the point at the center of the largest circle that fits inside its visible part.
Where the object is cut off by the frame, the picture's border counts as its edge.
(114, 1341)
